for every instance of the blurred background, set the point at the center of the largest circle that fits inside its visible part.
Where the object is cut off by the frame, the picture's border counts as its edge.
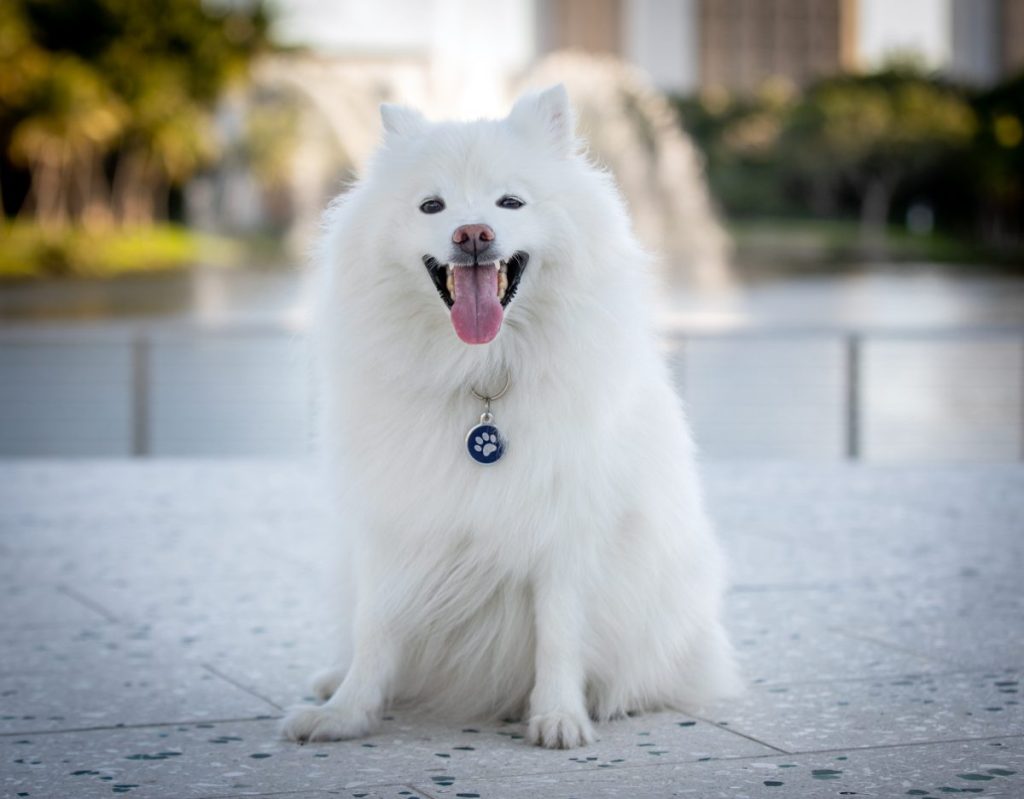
(835, 189)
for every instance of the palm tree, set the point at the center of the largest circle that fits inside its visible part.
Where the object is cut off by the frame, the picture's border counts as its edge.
(72, 120)
(168, 137)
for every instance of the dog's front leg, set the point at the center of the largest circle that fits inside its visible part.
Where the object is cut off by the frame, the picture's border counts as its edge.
(354, 709)
(558, 710)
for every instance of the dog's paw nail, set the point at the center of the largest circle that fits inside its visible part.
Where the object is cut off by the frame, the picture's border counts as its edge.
(305, 724)
(558, 730)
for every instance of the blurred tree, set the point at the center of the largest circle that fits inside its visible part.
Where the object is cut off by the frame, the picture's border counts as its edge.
(739, 136)
(872, 132)
(116, 96)
(998, 162)
(873, 145)
(268, 146)
(168, 137)
(271, 137)
(74, 119)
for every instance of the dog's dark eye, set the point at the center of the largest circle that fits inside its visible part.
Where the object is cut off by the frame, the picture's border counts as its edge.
(508, 201)
(432, 206)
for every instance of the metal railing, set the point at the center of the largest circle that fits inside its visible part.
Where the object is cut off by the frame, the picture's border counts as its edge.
(143, 344)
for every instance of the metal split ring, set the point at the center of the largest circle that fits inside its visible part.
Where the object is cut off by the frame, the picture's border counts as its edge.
(487, 400)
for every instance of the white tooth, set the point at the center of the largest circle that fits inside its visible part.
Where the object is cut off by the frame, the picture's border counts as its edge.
(502, 284)
(451, 282)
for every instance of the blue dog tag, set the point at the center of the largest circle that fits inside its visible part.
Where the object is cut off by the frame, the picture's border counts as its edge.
(484, 442)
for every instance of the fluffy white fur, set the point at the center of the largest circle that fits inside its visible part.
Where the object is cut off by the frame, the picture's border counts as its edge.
(578, 578)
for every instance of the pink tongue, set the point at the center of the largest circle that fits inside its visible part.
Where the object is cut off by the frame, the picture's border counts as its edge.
(476, 314)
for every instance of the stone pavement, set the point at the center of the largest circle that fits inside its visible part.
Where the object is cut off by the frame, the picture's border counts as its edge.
(156, 616)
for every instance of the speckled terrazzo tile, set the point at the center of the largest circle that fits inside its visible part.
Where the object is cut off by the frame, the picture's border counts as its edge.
(897, 710)
(204, 598)
(730, 486)
(376, 792)
(972, 619)
(883, 583)
(94, 686)
(87, 548)
(274, 660)
(982, 643)
(387, 792)
(501, 749)
(28, 604)
(945, 623)
(143, 570)
(975, 768)
(850, 521)
(50, 650)
(59, 488)
(274, 657)
(796, 636)
(232, 758)
(844, 545)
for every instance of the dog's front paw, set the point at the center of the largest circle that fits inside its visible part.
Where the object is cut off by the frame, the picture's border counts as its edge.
(326, 682)
(326, 723)
(560, 730)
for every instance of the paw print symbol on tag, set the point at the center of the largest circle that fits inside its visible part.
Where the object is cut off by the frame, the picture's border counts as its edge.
(485, 444)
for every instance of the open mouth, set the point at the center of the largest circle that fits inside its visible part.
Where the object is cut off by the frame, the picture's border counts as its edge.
(477, 293)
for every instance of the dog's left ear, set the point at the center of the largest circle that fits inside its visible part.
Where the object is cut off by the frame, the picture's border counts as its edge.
(401, 120)
(547, 117)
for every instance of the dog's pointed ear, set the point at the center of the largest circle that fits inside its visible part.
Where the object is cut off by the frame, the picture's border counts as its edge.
(401, 120)
(547, 117)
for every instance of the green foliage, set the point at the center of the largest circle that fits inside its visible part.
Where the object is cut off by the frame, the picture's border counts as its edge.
(739, 136)
(75, 115)
(998, 157)
(814, 244)
(32, 251)
(872, 132)
(869, 145)
(271, 136)
(108, 102)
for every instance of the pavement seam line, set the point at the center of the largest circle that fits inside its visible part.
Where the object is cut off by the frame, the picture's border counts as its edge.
(141, 726)
(218, 673)
(89, 603)
(727, 728)
(412, 787)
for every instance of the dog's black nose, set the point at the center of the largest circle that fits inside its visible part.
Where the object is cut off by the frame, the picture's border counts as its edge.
(473, 239)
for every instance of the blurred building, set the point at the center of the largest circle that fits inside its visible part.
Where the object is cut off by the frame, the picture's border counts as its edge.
(686, 45)
(743, 42)
(689, 44)
(987, 39)
(1012, 25)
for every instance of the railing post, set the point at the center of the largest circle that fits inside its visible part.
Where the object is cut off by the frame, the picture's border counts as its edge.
(140, 395)
(853, 396)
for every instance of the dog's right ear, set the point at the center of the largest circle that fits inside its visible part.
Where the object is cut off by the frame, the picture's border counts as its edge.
(400, 120)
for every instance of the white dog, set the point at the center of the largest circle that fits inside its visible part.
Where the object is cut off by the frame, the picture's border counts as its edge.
(544, 554)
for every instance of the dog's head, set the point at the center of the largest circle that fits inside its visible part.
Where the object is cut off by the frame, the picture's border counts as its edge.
(475, 210)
